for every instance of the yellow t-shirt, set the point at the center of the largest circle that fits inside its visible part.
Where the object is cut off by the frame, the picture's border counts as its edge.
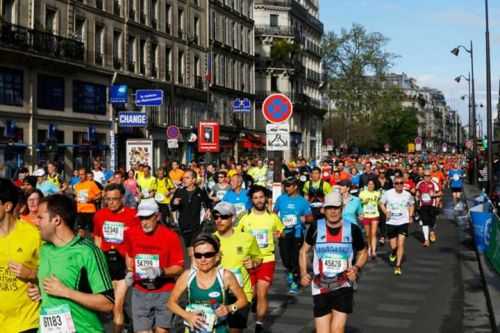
(17, 311)
(370, 200)
(235, 249)
(163, 186)
(147, 185)
(263, 227)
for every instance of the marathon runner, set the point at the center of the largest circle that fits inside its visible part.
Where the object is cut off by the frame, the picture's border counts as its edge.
(264, 226)
(155, 258)
(315, 190)
(240, 253)
(370, 202)
(456, 180)
(339, 254)
(293, 211)
(147, 183)
(110, 226)
(238, 196)
(87, 193)
(73, 280)
(398, 207)
(428, 194)
(19, 254)
(208, 287)
(164, 191)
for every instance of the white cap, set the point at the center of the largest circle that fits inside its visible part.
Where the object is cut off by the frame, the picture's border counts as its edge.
(147, 207)
(39, 173)
(333, 199)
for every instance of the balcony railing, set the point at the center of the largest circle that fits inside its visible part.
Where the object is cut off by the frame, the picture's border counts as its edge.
(180, 78)
(31, 40)
(274, 30)
(99, 59)
(313, 75)
(198, 82)
(180, 34)
(99, 4)
(117, 63)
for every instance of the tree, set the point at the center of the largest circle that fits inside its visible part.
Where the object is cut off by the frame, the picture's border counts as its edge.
(357, 62)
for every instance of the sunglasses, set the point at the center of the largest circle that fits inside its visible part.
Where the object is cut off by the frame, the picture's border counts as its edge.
(208, 255)
(333, 207)
(224, 217)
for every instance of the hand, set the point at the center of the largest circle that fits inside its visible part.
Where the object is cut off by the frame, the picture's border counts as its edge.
(195, 320)
(129, 279)
(352, 273)
(221, 311)
(54, 287)
(34, 292)
(305, 280)
(22, 272)
(177, 201)
(388, 215)
(248, 263)
(207, 215)
(410, 219)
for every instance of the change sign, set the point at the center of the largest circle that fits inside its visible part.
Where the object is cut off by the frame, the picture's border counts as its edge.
(132, 119)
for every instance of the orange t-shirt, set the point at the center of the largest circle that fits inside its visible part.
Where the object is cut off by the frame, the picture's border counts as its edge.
(439, 175)
(30, 219)
(176, 175)
(86, 192)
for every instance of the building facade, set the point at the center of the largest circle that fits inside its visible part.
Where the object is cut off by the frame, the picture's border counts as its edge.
(288, 60)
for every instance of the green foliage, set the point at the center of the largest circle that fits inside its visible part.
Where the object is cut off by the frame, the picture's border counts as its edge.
(283, 51)
(368, 113)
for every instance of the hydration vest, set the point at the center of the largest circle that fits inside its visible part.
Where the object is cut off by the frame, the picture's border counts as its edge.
(331, 259)
(316, 195)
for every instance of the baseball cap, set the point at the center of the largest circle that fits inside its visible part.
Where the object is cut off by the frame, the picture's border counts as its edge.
(333, 199)
(147, 207)
(39, 173)
(225, 208)
(290, 180)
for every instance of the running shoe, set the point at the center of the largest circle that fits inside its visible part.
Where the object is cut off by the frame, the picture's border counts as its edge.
(432, 237)
(294, 288)
(381, 241)
(392, 258)
(397, 271)
(426, 243)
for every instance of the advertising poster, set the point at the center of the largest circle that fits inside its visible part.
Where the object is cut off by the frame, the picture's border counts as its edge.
(139, 151)
(208, 137)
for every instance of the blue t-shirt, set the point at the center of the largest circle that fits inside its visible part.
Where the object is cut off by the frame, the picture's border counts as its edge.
(241, 201)
(455, 176)
(352, 210)
(290, 210)
(74, 180)
(355, 180)
(47, 188)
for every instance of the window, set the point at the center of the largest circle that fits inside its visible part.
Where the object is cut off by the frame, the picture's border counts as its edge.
(168, 64)
(142, 57)
(153, 54)
(50, 92)
(80, 29)
(99, 44)
(168, 18)
(89, 98)
(213, 26)
(196, 29)
(11, 87)
(9, 13)
(274, 83)
(154, 14)
(51, 20)
(131, 54)
(117, 49)
(180, 67)
(180, 22)
(273, 20)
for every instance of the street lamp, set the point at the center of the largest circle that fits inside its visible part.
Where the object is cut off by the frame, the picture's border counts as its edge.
(489, 127)
(472, 90)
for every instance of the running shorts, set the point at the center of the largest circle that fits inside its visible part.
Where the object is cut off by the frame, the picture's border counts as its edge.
(340, 300)
(394, 231)
(369, 220)
(264, 272)
(149, 310)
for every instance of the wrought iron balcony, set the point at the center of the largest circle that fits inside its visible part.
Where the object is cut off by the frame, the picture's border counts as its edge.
(198, 82)
(36, 41)
(99, 59)
(274, 30)
(117, 63)
(99, 4)
(131, 66)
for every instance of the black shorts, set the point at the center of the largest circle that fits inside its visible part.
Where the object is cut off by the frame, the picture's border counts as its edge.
(116, 265)
(239, 319)
(84, 221)
(456, 190)
(394, 230)
(339, 300)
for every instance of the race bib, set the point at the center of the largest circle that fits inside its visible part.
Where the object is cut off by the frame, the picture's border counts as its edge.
(396, 211)
(240, 208)
(208, 314)
(289, 220)
(239, 276)
(147, 266)
(261, 236)
(145, 193)
(426, 197)
(456, 177)
(113, 232)
(159, 197)
(83, 196)
(326, 174)
(371, 208)
(334, 264)
(57, 320)
(303, 178)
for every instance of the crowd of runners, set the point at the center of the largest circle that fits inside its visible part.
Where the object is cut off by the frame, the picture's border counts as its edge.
(198, 244)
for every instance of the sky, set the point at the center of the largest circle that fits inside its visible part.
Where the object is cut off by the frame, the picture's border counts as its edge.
(422, 33)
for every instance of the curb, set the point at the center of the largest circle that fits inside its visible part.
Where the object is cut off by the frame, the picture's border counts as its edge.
(484, 268)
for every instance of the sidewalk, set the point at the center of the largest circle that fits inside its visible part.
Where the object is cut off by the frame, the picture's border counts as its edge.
(490, 278)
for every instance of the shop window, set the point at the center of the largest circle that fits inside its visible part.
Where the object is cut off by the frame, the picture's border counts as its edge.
(11, 87)
(89, 98)
(50, 92)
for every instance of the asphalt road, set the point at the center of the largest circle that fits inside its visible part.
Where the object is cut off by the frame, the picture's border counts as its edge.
(428, 297)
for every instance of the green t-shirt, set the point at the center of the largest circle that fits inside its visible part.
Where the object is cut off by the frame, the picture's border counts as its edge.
(79, 265)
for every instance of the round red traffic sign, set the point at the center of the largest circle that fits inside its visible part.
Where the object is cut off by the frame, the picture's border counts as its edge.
(418, 140)
(277, 108)
(329, 142)
(173, 132)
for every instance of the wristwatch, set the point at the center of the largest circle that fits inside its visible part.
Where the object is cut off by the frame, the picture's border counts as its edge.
(233, 308)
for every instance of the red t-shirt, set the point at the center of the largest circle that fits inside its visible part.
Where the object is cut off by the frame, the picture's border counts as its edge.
(162, 247)
(425, 192)
(111, 227)
(409, 185)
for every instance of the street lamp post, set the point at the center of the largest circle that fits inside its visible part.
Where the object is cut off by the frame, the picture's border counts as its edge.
(458, 79)
(455, 52)
(489, 124)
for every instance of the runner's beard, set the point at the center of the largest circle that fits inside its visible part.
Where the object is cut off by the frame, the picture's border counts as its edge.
(260, 207)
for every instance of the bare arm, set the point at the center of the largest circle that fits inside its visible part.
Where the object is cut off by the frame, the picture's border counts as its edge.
(172, 271)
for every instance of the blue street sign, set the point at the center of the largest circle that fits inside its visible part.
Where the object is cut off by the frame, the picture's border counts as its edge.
(119, 94)
(242, 105)
(153, 97)
(132, 119)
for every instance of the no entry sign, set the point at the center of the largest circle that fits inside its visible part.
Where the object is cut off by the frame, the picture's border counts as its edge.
(277, 108)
